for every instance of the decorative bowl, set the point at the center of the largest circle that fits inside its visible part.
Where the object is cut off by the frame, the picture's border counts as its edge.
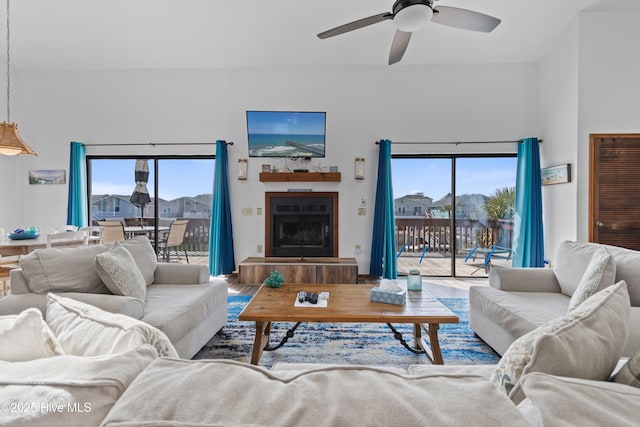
(24, 233)
(23, 236)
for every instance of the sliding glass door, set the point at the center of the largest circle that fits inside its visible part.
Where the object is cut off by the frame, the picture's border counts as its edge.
(453, 213)
(179, 189)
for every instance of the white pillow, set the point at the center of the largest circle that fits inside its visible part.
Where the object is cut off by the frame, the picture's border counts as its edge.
(26, 337)
(67, 390)
(585, 343)
(600, 273)
(118, 270)
(560, 401)
(85, 330)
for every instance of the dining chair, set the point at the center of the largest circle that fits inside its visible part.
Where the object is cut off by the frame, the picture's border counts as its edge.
(112, 231)
(174, 239)
(67, 238)
(93, 231)
(63, 228)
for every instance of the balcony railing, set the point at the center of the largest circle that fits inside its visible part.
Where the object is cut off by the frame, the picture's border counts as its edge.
(413, 234)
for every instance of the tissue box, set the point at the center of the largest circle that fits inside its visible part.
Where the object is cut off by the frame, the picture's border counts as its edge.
(397, 298)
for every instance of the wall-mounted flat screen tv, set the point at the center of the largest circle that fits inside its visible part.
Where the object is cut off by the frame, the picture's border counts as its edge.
(286, 133)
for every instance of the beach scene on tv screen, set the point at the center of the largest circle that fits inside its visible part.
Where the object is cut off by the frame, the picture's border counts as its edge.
(286, 134)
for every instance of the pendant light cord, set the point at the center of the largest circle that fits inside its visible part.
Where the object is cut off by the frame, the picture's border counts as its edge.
(8, 68)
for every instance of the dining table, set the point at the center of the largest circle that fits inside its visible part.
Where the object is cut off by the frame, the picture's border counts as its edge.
(131, 231)
(9, 247)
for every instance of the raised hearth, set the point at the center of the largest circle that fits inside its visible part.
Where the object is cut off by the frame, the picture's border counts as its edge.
(253, 271)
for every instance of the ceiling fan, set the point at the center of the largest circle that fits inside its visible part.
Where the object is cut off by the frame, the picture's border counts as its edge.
(411, 15)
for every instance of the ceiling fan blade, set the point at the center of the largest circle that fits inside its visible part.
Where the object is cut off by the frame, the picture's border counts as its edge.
(464, 19)
(355, 25)
(399, 46)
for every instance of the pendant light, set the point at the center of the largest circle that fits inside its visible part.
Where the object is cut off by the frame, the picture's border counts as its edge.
(10, 142)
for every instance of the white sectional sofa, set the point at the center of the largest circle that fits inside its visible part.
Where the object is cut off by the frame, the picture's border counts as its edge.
(518, 300)
(558, 375)
(181, 300)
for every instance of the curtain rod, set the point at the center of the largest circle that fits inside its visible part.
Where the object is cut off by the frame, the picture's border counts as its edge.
(453, 142)
(153, 144)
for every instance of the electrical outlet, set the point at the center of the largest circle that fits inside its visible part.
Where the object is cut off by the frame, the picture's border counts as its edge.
(357, 250)
(363, 202)
(259, 249)
(247, 211)
(362, 211)
(258, 211)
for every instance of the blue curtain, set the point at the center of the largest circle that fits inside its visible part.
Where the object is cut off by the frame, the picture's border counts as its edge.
(383, 245)
(528, 237)
(221, 259)
(77, 205)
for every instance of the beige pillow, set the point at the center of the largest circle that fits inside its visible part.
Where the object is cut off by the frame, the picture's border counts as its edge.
(68, 390)
(144, 255)
(26, 337)
(629, 374)
(119, 272)
(85, 330)
(600, 273)
(585, 343)
(561, 401)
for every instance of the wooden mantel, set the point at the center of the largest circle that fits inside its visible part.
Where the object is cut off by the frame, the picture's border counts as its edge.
(300, 176)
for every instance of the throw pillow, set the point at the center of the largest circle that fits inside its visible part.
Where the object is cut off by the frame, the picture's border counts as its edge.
(630, 372)
(119, 272)
(85, 330)
(144, 255)
(585, 343)
(600, 273)
(26, 337)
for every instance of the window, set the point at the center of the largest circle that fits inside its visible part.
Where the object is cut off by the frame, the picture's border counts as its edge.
(460, 212)
(179, 188)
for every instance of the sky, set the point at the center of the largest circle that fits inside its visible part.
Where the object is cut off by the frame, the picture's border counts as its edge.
(432, 177)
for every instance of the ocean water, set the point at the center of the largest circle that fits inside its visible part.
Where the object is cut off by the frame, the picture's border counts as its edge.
(279, 145)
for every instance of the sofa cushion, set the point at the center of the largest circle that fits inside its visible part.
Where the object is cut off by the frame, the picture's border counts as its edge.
(518, 312)
(568, 402)
(118, 270)
(572, 260)
(600, 273)
(585, 343)
(85, 330)
(175, 309)
(26, 337)
(64, 269)
(629, 374)
(227, 393)
(68, 390)
(144, 256)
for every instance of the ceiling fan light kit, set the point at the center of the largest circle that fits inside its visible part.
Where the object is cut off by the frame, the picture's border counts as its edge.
(409, 16)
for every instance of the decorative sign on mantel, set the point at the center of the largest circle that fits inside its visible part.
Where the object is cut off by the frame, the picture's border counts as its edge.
(556, 174)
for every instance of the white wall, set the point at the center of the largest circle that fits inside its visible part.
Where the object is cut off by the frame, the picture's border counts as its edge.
(363, 104)
(609, 87)
(558, 115)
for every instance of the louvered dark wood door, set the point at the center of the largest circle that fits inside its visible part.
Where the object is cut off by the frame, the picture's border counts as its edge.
(614, 186)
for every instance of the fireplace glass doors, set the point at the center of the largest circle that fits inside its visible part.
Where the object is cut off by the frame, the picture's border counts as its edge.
(301, 226)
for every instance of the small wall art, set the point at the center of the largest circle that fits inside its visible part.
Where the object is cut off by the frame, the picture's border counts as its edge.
(48, 176)
(556, 174)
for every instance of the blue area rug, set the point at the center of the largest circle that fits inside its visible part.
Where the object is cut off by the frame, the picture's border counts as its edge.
(351, 343)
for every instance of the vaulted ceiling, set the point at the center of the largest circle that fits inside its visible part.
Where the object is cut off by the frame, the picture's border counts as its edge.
(169, 34)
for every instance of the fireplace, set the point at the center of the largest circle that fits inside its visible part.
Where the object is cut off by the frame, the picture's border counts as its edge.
(301, 224)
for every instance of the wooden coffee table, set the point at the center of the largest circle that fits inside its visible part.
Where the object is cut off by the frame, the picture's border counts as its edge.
(347, 303)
